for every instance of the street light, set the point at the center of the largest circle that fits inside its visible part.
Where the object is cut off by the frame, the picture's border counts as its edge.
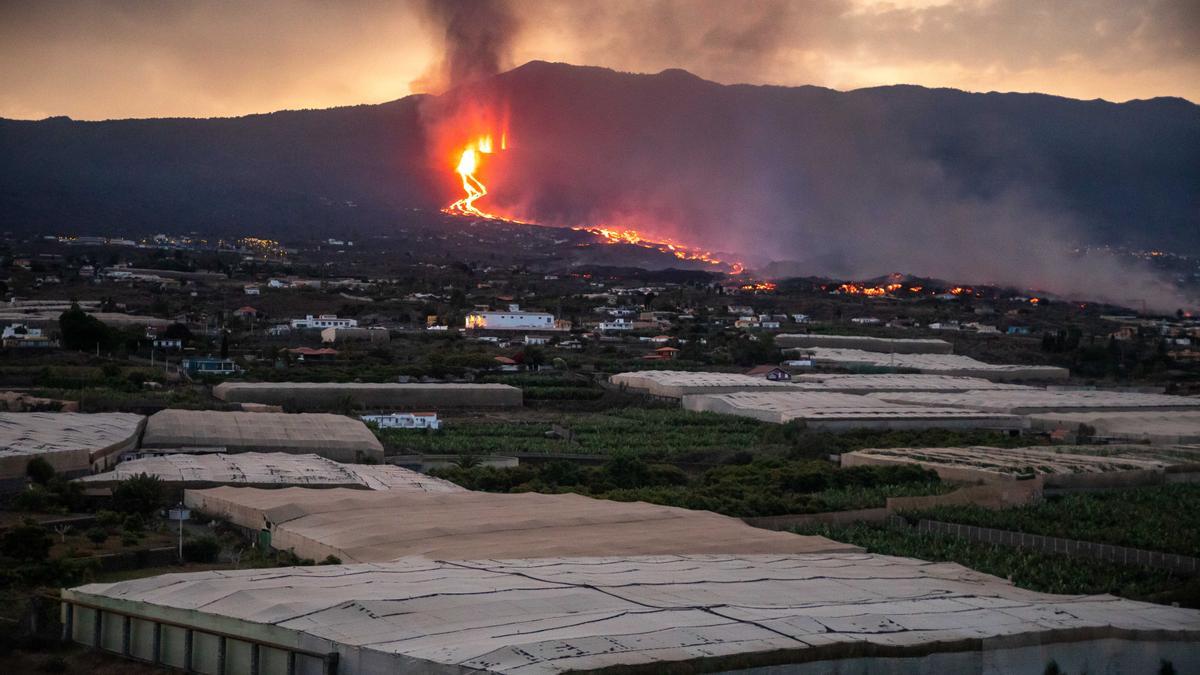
(180, 513)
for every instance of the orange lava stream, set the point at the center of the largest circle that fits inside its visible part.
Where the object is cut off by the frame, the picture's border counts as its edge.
(468, 165)
(612, 235)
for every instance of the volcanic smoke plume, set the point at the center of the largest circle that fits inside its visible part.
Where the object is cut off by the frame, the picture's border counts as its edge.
(478, 37)
(819, 182)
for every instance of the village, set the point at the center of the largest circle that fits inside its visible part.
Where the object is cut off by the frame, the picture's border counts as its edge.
(166, 403)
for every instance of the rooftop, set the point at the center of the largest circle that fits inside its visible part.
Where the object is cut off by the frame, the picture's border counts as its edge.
(998, 464)
(899, 382)
(276, 468)
(1039, 400)
(871, 344)
(948, 364)
(707, 613)
(40, 432)
(835, 410)
(360, 526)
(333, 436)
(677, 383)
(1155, 426)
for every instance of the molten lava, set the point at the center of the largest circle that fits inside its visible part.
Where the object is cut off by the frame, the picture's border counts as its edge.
(870, 291)
(469, 163)
(611, 235)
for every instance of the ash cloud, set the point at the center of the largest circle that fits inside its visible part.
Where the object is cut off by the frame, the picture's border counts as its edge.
(477, 41)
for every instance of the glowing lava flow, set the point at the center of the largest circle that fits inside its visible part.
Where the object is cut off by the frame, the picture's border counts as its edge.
(468, 165)
(681, 251)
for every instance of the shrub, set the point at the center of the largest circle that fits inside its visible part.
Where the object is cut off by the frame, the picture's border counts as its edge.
(202, 550)
(108, 518)
(134, 523)
(129, 539)
(97, 535)
(331, 560)
(35, 498)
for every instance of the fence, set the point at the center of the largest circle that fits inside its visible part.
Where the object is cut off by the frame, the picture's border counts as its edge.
(1117, 554)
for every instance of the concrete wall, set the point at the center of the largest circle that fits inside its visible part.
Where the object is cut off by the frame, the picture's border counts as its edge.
(422, 397)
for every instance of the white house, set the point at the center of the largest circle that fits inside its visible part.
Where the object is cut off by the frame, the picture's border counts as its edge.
(20, 335)
(614, 325)
(866, 321)
(512, 320)
(251, 290)
(399, 420)
(800, 318)
(537, 339)
(168, 344)
(323, 321)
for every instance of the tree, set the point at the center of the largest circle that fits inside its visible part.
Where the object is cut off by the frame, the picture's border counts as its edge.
(626, 470)
(81, 330)
(142, 494)
(533, 357)
(27, 541)
(178, 331)
(39, 470)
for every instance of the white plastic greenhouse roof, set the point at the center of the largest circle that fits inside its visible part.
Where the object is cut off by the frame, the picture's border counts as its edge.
(1155, 426)
(34, 433)
(275, 468)
(364, 526)
(1040, 400)
(558, 615)
(818, 407)
(852, 384)
(952, 364)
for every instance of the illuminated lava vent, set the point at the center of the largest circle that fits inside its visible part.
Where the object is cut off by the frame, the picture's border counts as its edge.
(468, 164)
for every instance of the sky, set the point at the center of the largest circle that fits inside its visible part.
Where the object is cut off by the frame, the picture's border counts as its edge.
(102, 59)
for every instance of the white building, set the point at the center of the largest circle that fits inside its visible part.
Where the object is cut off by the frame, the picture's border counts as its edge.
(399, 420)
(512, 320)
(20, 335)
(614, 325)
(537, 339)
(323, 321)
(251, 290)
(866, 321)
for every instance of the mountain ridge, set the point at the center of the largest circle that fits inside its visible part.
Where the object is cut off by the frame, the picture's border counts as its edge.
(1126, 171)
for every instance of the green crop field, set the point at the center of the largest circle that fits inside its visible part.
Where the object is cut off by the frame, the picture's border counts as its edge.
(1163, 518)
(1048, 573)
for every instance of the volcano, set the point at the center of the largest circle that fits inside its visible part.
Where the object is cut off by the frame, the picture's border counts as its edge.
(861, 182)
